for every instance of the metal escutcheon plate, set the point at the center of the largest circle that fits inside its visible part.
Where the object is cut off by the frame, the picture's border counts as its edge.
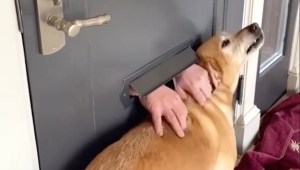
(50, 39)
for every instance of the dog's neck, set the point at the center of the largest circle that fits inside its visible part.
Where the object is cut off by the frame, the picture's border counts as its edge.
(226, 76)
(225, 81)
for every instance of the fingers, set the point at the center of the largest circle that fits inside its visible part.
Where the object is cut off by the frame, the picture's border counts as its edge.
(181, 113)
(196, 81)
(173, 121)
(205, 85)
(198, 95)
(157, 124)
(162, 102)
(206, 90)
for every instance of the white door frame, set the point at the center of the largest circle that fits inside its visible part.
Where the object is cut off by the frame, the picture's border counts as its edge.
(247, 115)
(17, 140)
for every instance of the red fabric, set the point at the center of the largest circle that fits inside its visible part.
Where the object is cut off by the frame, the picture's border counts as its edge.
(278, 147)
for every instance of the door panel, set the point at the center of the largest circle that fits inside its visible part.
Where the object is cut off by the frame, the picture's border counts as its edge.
(274, 25)
(273, 64)
(75, 92)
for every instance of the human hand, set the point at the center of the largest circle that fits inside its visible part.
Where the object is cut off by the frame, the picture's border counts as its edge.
(194, 80)
(164, 102)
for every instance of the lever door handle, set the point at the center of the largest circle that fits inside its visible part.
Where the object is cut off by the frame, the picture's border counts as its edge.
(53, 27)
(73, 28)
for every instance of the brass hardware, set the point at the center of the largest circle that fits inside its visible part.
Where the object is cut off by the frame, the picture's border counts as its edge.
(73, 28)
(52, 26)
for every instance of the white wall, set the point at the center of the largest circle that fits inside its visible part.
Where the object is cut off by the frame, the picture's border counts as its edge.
(17, 142)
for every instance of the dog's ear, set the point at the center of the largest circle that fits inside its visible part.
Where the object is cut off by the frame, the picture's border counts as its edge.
(214, 75)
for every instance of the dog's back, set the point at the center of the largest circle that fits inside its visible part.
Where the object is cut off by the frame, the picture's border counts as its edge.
(203, 146)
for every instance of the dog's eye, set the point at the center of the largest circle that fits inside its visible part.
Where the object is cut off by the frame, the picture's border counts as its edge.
(225, 43)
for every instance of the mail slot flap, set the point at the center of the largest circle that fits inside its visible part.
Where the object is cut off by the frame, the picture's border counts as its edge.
(159, 71)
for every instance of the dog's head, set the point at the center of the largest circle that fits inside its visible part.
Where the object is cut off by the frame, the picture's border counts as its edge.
(226, 53)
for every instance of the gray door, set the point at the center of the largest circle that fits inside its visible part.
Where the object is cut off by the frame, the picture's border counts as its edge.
(273, 65)
(75, 92)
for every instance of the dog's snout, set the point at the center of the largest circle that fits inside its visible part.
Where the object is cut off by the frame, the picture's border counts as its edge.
(253, 28)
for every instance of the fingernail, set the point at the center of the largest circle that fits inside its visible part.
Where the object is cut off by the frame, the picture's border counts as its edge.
(160, 133)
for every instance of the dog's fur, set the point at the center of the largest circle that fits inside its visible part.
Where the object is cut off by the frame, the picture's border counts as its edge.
(209, 142)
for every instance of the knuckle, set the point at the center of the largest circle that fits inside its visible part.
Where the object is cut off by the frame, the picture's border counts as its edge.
(171, 116)
(177, 98)
(156, 114)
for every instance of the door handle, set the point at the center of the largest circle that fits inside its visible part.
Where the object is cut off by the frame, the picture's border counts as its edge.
(53, 27)
(73, 28)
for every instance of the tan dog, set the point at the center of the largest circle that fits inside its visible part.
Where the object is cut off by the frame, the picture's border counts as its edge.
(209, 142)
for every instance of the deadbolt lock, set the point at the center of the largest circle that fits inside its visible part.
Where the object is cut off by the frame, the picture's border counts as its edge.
(53, 27)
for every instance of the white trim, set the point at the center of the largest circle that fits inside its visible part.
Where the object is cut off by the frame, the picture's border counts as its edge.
(293, 83)
(293, 78)
(247, 118)
(247, 114)
(250, 69)
(17, 141)
(246, 129)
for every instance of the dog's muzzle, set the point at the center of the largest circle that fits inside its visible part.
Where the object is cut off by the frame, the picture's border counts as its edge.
(259, 36)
